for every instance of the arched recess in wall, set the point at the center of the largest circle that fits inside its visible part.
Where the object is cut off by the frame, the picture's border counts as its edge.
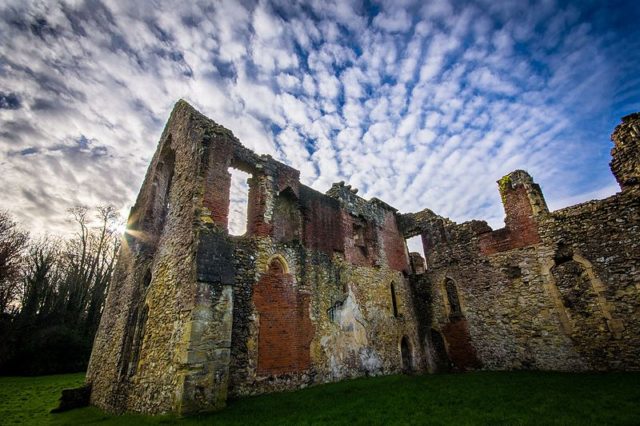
(285, 330)
(138, 340)
(582, 296)
(160, 200)
(135, 328)
(406, 355)
(453, 299)
(287, 219)
(439, 354)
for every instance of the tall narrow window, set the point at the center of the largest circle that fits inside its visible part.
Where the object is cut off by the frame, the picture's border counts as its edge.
(452, 297)
(238, 202)
(394, 302)
(159, 206)
(414, 246)
(138, 340)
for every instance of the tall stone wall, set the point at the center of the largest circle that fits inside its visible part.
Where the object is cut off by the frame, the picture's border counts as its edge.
(316, 290)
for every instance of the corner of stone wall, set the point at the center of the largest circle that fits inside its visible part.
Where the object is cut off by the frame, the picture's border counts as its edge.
(625, 161)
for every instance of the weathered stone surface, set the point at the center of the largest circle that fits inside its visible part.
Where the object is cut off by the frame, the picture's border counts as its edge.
(316, 290)
(321, 287)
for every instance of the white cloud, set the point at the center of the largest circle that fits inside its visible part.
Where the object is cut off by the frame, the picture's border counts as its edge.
(423, 104)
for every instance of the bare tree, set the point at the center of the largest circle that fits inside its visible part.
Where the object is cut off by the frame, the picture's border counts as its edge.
(89, 264)
(13, 242)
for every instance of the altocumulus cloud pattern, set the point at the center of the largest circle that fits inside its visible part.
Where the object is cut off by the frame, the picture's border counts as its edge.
(421, 104)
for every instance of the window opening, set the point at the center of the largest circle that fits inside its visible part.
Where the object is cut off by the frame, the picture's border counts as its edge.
(452, 297)
(238, 202)
(359, 234)
(394, 302)
(414, 245)
(138, 339)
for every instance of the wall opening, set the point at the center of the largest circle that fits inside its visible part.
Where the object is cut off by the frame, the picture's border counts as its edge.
(455, 311)
(407, 358)
(287, 220)
(160, 204)
(439, 352)
(414, 245)
(359, 235)
(238, 202)
(146, 282)
(138, 339)
(394, 302)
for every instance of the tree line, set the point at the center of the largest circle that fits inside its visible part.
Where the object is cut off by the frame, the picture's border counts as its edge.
(52, 292)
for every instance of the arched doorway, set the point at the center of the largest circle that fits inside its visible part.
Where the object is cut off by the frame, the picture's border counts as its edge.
(407, 356)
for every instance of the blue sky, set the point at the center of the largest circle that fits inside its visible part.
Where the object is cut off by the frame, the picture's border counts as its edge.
(422, 104)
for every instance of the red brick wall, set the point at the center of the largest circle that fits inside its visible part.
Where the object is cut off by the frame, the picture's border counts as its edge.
(285, 330)
(362, 251)
(461, 352)
(520, 227)
(321, 222)
(286, 217)
(256, 225)
(394, 244)
(217, 182)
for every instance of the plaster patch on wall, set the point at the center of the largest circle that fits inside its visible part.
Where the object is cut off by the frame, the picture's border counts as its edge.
(348, 347)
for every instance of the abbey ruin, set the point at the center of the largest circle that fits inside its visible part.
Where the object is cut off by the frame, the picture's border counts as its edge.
(322, 287)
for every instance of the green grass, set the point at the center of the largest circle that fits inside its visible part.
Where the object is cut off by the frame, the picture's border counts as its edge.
(458, 399)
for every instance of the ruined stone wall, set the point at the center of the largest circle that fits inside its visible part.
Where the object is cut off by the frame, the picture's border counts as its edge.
(551, 291)
(135, 360)
(315, 291)
(331, 315)
(321, 286)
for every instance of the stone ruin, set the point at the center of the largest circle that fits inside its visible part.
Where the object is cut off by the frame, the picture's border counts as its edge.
(321, 287)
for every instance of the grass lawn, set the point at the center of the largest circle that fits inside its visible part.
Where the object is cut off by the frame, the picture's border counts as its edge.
(475, 398)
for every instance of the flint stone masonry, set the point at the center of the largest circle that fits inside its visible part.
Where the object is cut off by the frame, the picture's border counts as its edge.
(322, 287)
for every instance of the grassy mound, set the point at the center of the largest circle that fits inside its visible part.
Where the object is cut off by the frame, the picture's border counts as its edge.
(474, 398)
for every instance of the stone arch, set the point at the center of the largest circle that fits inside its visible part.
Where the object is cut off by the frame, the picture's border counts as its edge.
(285, 330)
(406, 355)
(581, 295)
(279, 262)
(452, 299)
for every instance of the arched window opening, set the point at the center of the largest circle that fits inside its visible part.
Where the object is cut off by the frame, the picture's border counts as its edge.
(394, 302)
(128, 341)
(455, 311)
(238, 202)
(160, 194)
(138, 340)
